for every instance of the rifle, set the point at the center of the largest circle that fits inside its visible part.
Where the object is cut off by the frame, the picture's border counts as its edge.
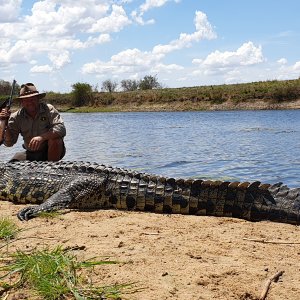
(7, 105)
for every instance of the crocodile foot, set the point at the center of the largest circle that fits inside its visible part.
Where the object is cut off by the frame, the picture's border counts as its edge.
(28, 213)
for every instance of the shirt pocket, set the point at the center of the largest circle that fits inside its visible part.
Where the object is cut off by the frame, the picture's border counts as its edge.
(44, 124)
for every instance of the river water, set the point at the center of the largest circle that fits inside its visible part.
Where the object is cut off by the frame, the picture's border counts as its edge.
(226, 145)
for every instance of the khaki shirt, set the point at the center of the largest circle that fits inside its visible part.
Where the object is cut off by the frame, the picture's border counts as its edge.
(47, 119)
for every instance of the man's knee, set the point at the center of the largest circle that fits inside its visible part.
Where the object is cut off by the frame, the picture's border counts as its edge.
(56, 143)
(56, 149)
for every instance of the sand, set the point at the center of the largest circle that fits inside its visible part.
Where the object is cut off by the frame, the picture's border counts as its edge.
(172, 256)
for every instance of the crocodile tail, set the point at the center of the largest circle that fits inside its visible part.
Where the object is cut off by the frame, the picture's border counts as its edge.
(251, 201)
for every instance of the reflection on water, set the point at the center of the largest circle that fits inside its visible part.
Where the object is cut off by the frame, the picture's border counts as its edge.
(241, 145)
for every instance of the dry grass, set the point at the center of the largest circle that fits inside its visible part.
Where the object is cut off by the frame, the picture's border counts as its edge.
(262, 95)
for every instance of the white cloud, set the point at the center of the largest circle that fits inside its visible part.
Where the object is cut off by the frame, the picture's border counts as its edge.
(286, 71)
(149, 4)
(282, 61)
(9, 10)
(166, 68)
(20, 52)
(64, 18)
(247, 54)
(296, 67)
(115, 22)
(101, 39)
(152, 3)
(133, 57)
(124, 1)
(56, 26)
(138, 18)
(60, 59)
(128, 61)
(98, 67)
(230, 66)
(76, 44)
(137, 15)
(197, 61)
(246, 64)
(137, 61)
(204, 30)
(41, 69)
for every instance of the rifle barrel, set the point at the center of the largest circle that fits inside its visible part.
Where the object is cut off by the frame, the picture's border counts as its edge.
(11, 93)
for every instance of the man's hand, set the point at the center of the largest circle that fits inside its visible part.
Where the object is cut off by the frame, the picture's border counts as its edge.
(5, 113)
(36, 143)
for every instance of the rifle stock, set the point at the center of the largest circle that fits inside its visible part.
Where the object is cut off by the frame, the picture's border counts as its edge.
(7, 105)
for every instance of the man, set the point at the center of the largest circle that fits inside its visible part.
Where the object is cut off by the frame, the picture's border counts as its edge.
(40, 125)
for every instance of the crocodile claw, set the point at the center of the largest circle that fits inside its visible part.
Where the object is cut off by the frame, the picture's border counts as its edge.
(27, 213)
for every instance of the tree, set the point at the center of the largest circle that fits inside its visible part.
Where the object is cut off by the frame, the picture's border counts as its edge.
(5, 87)
(129, 85)
(149, 82)
(81, 94)
(5, 91)
(109, 86)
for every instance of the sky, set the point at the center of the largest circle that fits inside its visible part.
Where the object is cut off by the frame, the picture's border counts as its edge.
(184, 43)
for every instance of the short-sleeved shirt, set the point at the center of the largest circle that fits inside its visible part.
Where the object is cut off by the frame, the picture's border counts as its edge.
(47, 119)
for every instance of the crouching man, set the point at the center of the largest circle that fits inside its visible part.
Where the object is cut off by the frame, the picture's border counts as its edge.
(40, 125)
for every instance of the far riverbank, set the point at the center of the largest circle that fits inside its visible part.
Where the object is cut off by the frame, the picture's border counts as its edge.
(185, 106)
(262, 95)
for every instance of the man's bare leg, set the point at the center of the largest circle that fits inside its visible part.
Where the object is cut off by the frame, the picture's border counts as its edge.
(55, 149)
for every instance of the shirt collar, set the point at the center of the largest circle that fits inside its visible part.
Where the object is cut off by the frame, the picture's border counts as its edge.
(41, 110)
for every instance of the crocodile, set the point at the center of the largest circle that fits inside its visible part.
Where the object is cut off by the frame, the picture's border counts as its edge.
(53, 186)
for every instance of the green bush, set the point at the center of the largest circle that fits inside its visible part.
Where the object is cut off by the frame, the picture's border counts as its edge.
(81, 94)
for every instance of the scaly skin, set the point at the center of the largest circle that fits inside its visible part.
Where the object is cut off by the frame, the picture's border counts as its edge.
(82, 185)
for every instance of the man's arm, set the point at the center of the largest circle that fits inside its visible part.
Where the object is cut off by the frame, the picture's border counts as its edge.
(37, 141)
(9, 138)
(56, 121)
(57, 130)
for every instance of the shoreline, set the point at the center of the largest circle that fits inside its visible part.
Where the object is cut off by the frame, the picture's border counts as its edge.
(179, 106)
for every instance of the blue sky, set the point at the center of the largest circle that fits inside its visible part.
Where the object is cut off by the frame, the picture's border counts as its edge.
(55, 44)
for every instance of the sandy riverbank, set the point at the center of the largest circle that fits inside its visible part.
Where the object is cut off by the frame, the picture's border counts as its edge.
(173, 256)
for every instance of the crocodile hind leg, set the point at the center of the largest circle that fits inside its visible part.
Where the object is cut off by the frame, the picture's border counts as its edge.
(75, 195)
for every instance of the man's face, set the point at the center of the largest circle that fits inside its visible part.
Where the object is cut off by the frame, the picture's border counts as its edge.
(31, 104)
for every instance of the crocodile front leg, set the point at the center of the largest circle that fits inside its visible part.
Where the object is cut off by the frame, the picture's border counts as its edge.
(76, 194)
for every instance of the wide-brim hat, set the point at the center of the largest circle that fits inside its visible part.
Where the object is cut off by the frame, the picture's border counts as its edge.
(29, 90)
